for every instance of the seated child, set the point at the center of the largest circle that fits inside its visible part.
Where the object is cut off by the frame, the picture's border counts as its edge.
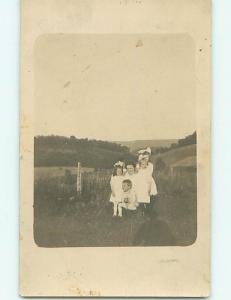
(129, 200)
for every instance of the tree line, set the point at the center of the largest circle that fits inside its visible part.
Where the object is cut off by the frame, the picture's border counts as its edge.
(67, 151)
(188, 140)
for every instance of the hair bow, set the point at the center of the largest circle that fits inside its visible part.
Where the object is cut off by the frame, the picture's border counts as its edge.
(143, 156)
(147, 150)
(119, 164)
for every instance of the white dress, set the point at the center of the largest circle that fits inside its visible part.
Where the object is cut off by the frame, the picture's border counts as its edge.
(116, 186)
(149, 171)
(153, 184)
(145, 186)
(150, 168)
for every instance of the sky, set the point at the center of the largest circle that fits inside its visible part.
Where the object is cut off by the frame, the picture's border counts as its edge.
(115, 87)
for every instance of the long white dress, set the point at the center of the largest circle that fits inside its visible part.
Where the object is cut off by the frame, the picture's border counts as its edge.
(153, 184)
(116, 186)
(145, 186)
(149, 168)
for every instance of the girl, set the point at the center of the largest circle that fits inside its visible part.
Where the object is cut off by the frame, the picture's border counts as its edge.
(146, 153)
(116, 188)
(131, 174)
(145, 186)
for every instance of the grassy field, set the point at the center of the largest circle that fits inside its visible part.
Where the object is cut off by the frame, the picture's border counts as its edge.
(46, 172)
(62, 218)
(171, 157)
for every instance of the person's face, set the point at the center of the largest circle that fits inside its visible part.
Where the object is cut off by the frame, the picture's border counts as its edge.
(119, 172)
(143, 163)
(125, 187)
(130, 169)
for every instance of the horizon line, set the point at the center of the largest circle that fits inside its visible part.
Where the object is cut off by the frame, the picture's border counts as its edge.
(115, 141)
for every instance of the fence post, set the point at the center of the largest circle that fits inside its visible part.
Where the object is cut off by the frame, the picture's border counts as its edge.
(79, 178)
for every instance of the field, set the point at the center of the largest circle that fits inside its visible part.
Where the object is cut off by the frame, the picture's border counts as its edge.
(141, 144)
(62, 218)
(171, 157)
(46, 172)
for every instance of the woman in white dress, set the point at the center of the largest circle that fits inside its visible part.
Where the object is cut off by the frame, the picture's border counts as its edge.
(146, 153)
(145, 186)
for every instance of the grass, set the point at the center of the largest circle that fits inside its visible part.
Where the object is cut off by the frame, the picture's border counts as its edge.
(63, 218)
(41, 172)
(171, 157)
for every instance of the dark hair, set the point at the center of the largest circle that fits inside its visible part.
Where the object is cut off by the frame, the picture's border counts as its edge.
(128, 181)
(131, 163)
(115, 170)
(147, 153)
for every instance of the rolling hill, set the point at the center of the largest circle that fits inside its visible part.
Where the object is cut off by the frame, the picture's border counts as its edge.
(139, 144)
(172, 156)
(52, 151)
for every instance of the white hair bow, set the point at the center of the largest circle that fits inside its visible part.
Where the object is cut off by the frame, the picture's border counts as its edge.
(119, 164)
(143, 156)
(148, 150)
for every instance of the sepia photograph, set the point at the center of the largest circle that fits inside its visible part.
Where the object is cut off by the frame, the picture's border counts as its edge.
(115, 148)
(115, 140)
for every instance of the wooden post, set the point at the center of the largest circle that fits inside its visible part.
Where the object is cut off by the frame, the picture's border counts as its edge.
(79, 178)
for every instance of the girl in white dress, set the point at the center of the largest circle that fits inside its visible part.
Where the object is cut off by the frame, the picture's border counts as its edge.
(116, 188)
(145, 154)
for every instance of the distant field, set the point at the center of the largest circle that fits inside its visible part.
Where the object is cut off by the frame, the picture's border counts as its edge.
(42, 172)
(174, 155)
(139, 144)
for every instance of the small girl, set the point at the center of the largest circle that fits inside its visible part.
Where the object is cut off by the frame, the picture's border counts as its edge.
(131, 173)
(116, 188)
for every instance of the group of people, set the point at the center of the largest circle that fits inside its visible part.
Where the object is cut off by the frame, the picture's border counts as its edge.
(132, 185)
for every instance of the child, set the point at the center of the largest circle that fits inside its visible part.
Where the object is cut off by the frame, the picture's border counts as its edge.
(131, 174)
(145, 183)
(129, 199)
(116, 188)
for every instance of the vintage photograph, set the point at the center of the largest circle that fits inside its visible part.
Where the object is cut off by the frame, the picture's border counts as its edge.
(115, 143)
(115, 148)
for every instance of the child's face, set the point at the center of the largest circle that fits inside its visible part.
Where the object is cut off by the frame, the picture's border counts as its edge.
(130, 169)
(125, 187)
(119, 172)
(143, 163)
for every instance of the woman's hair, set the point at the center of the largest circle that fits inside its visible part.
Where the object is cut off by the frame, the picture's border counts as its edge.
(131, 163)
(147, 153)
(115, 170)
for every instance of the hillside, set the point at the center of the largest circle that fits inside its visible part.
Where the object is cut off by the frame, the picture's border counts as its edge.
(139, 144)
(176, 154)
(64, 151)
